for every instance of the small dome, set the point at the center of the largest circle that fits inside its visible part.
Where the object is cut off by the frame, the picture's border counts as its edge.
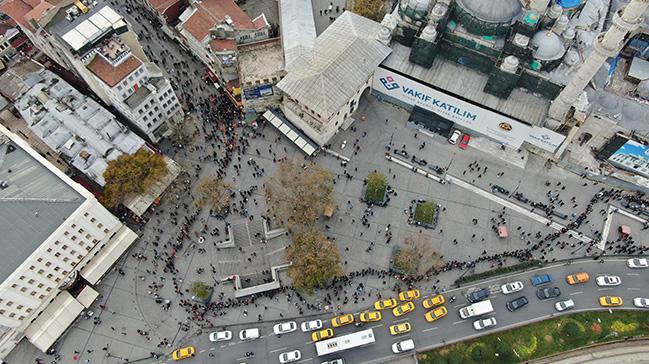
(572, 57)
(548, 46)
(493, 11)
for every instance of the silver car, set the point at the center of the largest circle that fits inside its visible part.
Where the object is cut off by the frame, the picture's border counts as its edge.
(641, 302)
(484, 323)
(311, 325)
(608, 280)
(512, 287)
(564, 305)
(284, 327)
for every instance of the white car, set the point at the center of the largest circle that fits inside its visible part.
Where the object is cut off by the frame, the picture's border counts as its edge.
(311, 325)
(638, 263)
(402, 346)
(641, 302)
(564, 305)
(249, 334)
(290, 356)
(512, 287)
(454, 137)
(217, 336)
(284, 327)
(484, 323)
(607, 280)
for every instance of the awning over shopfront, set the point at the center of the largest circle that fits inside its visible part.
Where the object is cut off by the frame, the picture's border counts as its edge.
(53, 321)
(291, 132)
(87, 296)
(107, 256)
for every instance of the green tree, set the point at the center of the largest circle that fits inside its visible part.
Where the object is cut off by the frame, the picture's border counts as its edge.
(130, 175)
(376, 186)
(315, 260)
(215, 193)
(372, 9)
(455, 357)
(480, 352)
(504, 349)
(200, 289)
(425, 211)
(298, 195)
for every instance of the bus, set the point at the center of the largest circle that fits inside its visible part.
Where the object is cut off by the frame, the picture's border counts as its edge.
(345, 342)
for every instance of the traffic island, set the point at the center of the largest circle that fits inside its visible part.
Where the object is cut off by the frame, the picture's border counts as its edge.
(543, 338)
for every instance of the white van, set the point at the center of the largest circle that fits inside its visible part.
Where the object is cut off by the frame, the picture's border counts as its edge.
(402, 346)
(249, 334)
(454, 136)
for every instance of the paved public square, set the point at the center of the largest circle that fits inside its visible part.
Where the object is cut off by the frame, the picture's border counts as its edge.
(145, 306)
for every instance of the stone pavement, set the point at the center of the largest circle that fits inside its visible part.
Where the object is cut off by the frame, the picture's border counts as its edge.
(636, 352)
(136, 318)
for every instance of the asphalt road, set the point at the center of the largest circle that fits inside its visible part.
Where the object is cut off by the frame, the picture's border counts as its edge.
(446, 330)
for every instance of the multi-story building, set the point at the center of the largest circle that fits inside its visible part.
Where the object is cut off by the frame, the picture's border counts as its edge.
(57, 242)
(73, 125)
(96, 43)
(212, 30)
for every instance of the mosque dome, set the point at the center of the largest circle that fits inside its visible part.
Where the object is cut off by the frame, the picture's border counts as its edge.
(491, 11)
(549, 46)
(414, 9)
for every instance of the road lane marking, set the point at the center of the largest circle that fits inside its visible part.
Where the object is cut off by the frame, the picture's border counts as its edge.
(212, 349)
(633, 289)
(309, 342)
(276, 350)
(633, 274)
(431, 329)
(397, 321)
(460, 305)
(202, 351)
(305, 360)
(458, 322)
(605, 289)
(576, 293)
(375, 326)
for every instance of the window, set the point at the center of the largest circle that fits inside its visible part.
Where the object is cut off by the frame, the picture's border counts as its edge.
(14, 286)
(10, 303)
(73, 238)
(49, 263)
(80, 231)
(19, 307)
(31, 281)
(64, 247)
(24, 289)
(22, 278)
(93, 220)
(41, 271)
(86, 214)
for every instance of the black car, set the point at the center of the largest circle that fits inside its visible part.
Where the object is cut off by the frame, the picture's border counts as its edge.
(479, 295)
(515, 304)
(548, 292)
(496, 188)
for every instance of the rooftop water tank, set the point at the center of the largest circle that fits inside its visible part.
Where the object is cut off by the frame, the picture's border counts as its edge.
(438, 12)
(429, 33)
(569, 4)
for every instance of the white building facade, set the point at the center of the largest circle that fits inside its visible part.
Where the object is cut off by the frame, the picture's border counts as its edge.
(57, 243)
(95, 43)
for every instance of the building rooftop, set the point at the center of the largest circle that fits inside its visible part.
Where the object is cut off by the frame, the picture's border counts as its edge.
(207, 14)
(162, 5)
(113, 74)
(343, 58)
(259, 61)
(77, 127)
(33, 203)
(496, 11)
(463, 81)
(297, 28)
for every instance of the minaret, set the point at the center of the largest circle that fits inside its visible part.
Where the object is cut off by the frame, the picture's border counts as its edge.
(626, 20)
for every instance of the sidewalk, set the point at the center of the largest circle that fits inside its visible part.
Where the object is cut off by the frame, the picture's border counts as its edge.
(624, 352)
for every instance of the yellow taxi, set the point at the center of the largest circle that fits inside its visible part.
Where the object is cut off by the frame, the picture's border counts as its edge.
(401, 328)
(183, 353)
(322, 334)
(370, 316)
(403, 309)
(434, 301)
(436, 314)
(576, 278)
(611, 301)
(385, 304)
(342, 320)
(409, 295)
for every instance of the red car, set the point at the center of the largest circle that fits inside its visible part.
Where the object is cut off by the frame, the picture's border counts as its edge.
(465, 141)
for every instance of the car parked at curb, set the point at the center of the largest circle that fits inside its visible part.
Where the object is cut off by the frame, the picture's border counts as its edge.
(564, 305)
(484, 323)
(217, 336)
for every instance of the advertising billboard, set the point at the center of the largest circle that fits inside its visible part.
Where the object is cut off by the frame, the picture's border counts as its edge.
(463, 113)
(633, 157)
(545, 139)
(258, 91)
